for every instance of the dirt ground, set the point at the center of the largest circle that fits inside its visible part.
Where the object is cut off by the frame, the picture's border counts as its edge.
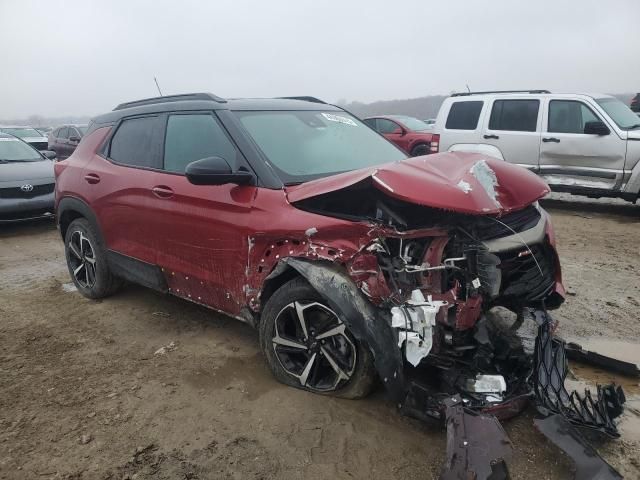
(83, 396)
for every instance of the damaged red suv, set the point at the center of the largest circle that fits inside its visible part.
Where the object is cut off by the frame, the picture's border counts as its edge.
(352, 260)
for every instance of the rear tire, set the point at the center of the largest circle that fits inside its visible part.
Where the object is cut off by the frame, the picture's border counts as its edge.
(420, 149)
(322, 356)
(87, 261)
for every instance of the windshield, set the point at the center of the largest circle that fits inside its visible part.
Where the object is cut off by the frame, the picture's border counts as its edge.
(14, 150)
(411, 123)
(619, 113)
(83, 129)
(22, 132)
(303, 145)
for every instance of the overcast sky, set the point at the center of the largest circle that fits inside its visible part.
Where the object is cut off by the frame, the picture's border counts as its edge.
(84, 57)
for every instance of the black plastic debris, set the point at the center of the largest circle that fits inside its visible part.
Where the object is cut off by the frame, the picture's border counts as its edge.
(592, 411)
(477, 446)
(589, 465)
(579, 354)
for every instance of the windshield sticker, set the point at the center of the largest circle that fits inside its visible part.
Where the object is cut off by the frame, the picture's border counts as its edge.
(337, 118)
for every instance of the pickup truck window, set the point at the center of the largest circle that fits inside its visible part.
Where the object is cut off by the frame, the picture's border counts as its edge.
(568, 116)
(514, 115)
(464, 115)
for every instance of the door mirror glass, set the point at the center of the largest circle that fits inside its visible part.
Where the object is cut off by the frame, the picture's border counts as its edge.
(216, 171)
(50, 154)
(596, 128)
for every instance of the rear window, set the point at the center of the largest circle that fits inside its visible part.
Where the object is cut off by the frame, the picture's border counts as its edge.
(464, 115)
(514, 115)
(134, 143)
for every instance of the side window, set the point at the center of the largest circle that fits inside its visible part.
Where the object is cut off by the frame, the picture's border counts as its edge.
(371, 122)
(387, 126)
(193, 137)
(514, 115)
(568, 116)
(135, 144)
(73, 132)
(62, 133)
(464, 115)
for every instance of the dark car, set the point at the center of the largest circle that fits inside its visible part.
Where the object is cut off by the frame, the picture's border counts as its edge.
(64, 139)
(410, 134)
(30, 135)
(294, 216)
(26, 181)
(635, 103)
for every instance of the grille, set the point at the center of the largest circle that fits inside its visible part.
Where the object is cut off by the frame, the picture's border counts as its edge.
(517, 221)
(525, 282)
(17, 193)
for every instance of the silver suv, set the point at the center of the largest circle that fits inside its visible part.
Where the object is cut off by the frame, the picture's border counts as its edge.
(581, 144)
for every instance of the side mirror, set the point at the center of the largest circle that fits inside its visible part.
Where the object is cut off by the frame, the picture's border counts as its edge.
(399, 131)
(216, 171)
(596, 128)
(74, 139)
(50, 154)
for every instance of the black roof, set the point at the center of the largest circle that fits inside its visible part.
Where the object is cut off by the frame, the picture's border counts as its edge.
(209, 101)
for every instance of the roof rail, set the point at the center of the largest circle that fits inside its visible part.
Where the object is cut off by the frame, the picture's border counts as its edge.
(304, 99)
(171, 98)
(464, 94)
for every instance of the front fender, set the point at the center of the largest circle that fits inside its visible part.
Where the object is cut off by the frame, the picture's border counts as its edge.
(366, 322)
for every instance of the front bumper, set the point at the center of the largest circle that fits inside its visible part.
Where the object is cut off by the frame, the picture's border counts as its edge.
(20, 209)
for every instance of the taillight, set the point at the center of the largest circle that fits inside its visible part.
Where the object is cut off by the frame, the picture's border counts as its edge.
(435, 143)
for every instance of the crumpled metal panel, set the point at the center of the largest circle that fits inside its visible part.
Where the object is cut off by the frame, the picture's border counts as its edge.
(477, 446)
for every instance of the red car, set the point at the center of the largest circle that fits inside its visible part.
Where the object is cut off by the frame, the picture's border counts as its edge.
(410, 134)
(352, 260)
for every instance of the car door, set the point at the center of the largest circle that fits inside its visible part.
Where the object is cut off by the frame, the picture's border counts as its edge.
(201, 229)
(61, 142)
(392, 132)
(73, 140)
(514, 128)
(119, 187)
(571, 157)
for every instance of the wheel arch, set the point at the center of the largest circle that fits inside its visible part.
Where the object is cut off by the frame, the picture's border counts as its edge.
(482, 148)
(70, 209)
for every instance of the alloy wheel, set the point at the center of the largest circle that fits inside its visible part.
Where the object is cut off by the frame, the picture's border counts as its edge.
(313, 345)
(82, 259)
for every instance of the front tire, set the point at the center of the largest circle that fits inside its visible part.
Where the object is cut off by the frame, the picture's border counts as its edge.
(307, 346)
(87, 261)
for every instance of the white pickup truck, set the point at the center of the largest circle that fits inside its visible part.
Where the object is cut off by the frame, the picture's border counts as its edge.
(581, 144)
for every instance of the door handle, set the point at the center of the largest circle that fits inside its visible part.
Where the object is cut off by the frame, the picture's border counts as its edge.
(551, 139)
(92, 178)
(487, 137)
(162, 191)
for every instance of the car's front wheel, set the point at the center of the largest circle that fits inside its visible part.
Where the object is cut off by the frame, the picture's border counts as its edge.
(87, 261)
(307, 345)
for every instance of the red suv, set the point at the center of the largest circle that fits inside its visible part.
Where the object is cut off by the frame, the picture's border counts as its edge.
(352, 260)
(410, 134)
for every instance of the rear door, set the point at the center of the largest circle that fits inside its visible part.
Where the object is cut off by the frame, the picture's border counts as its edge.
(513, 127)
(201, 229)
(570, 157)
(120, 187)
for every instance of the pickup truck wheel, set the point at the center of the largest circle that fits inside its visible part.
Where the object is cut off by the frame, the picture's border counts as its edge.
(420, 149)
(87, 261)
(307, 346)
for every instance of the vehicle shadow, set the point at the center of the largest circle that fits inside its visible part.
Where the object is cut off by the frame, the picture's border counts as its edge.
(30, 227)
(626, 212)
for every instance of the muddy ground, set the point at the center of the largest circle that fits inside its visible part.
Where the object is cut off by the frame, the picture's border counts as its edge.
(82, 394)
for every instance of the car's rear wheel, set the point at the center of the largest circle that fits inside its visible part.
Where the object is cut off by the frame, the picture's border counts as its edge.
(87, 261)
(421, 149)
(307, 345)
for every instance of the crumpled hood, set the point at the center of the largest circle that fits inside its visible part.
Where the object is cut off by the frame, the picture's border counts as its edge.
(458, 181)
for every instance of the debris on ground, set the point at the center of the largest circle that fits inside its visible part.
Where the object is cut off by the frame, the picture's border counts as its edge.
(166, 349)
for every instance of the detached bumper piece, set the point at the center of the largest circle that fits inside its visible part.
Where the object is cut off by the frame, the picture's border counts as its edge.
(553, 398)
(477, 446)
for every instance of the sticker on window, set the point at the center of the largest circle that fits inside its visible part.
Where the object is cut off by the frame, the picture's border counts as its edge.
(340, 119)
